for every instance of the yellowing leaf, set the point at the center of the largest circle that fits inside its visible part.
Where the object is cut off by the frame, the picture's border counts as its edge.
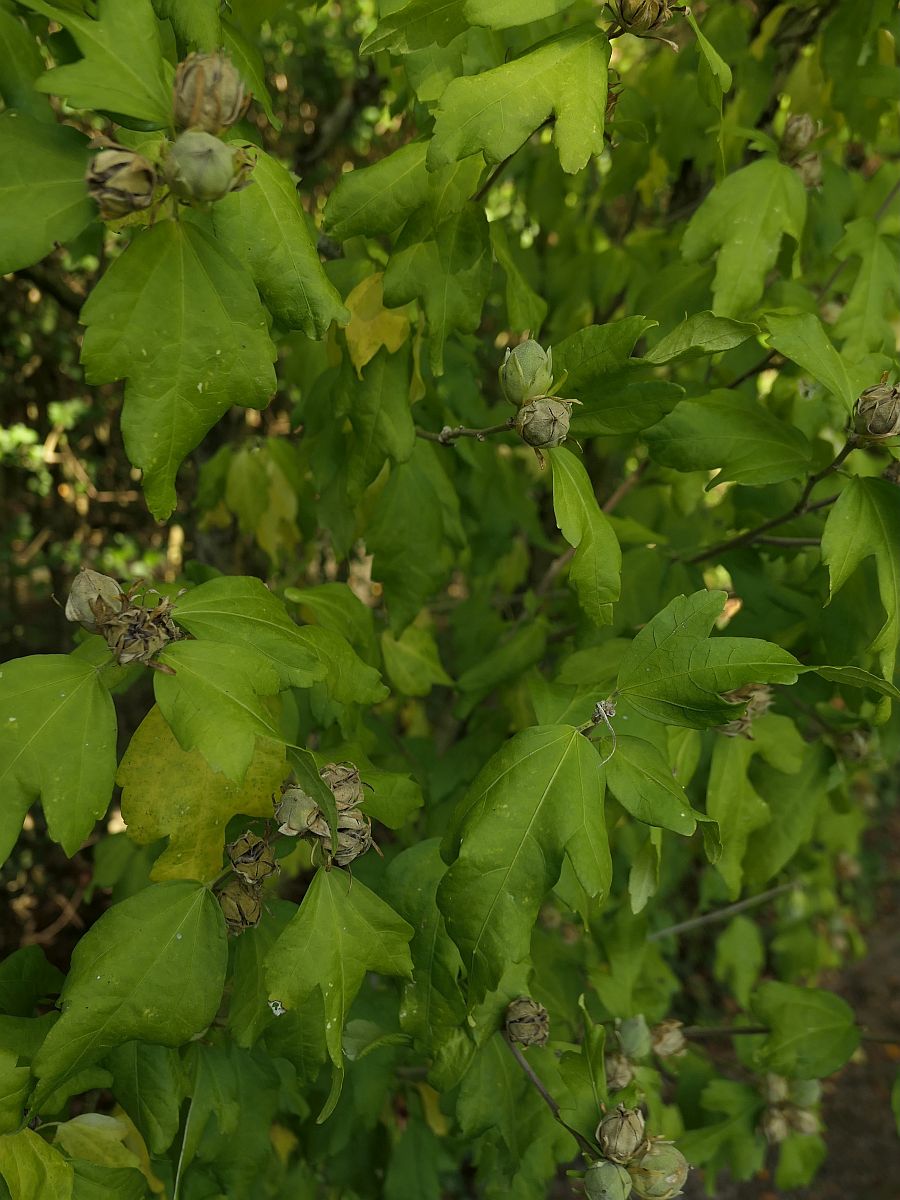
(174, 793)
(98, 1139)
(371, 324)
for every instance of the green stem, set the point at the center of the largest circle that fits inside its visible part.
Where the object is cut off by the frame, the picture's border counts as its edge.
(586, 1146)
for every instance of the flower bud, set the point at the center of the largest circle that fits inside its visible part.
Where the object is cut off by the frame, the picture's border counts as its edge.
(241, 905)
(201, 169)
(544, 423)
(208, 93)
(659, 1172)
(94, 599)
(354, 837)
(877, 413)
(344, 781)
(801, 1120)
(642, 16)
(758, 700)
(634, 1036)
(527, 1022)
(298, 815)
(774, 1126)
(800, 131)
(619, 1072)
(607, 1181)
(252, 858)
(667, 1039)
(527, 372)
(620, 1135)
(121, 182)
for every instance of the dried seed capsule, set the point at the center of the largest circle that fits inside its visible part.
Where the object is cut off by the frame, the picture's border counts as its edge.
(121, 182)
(775, 1089)
(659, 1172)
(544, 422)
(94, 600)
(344, 781)
(801, 1120)
(527, 372)
(201, 169)
(642, 16)
(620, 1135)
(354, 837)
(619, 1071)
(137, 633)
(809, 168)
(667, 1039)
(774, 1126)
(241, 905)
(607, 1181)
(298, 815)
(877, 413)
(208, 93)
(800, 132)
(252, 858)
(758, 700)
(527, 1022)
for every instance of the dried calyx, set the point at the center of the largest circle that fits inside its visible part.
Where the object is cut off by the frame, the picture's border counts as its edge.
(643, 16)
(527, 1022)
(298, 815)
(620, 1135)
(619, 1071)
(121, 182)
(800, 131)
(526, 373)
(607, 1181)
(667, 1039)
(241, 904)
(252, 858)
(133, 631)
(758, 700)
(200, 168)
(208, 93)
(659, 1172)
(877, 413)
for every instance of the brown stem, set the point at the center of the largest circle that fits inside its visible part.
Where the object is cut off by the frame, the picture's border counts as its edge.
(536, 1082)
(789, 541)
(501, 166)
(700, 1032)
(448, 434)
(723, 914)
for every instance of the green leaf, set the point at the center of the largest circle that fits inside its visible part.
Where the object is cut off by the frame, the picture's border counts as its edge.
(812, 1032)
(20, 65)
(740, 957)
(15, 1084)
(214, 701)
(180, 318)
(642, 781)
(196, 24)
(864, 323)
(597, 351)
(448, 268)
(525, 308)
(96, 1138)
(26, 980)
(418, 24)
(337, 608)
(802, 339)
(150, 969)
(94, 1182)
(379, 414)
(249, 61)
(43, 197)
(412, 661)
(538, 799)
(498, 110)
(147, 1084)
(715, 73)
(744, 218)
(340, 932)
(596, 569)
(584, 1076)
(122, 71)
(174, 793)
(33, 1170)
(239, 610)
(675, 673)
(703, 333)
(733, 801)
(799, 1158)
(378, 199)
(734, 433)
(57, 745)
(265, 227)
(504, 14)
(856, 677)
(866, 521)
(348, 680)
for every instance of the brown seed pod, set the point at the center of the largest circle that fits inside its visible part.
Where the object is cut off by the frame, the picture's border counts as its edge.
(344, 781)
(208, 93)
(252, 858)
(241, 905)
(620, 1134)
(121, 182)
(527, 1022)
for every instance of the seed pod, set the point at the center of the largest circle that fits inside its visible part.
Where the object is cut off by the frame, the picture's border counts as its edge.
(527, 1022)
(121, 182)
(344, 781)
(241, 905)
(877, 414)
(607, 1181)
(620, 1135)
(619, 1071)
(544, 422)
(892, 472)
(201, 169)
(208, 93)
(800, 131)
(642, 16)
(801, 1120)
(634, 1037)
(94, 599)
(774, 1126)
(527, 372)
(809, 168)
(354, 837)
(659, 1172)
(252, 858)
(298, 815)
(758, 700)
(775, 1089)
(137, 633)
(667, 1039)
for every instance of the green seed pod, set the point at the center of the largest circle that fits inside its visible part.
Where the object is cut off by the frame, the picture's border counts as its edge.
(527, 372)
(121, 182)
(877, 414)
(94, 600)
(607, 1181)
(800, 132)
(642, 16)
(241, 905)
(659, 1172)
(619, 1071)
(544, 423)
(634, 1037)
(527, 1022)
(208, 93)
(344, 781)
(201, 169)
(620, 1135)
(667, 1039)
(252, 858)
(298, 815)
(804, 1092)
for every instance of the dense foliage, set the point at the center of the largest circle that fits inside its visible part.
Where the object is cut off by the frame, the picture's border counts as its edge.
(517, 381)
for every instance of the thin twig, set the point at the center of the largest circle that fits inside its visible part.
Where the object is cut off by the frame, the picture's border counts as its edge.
(448, 434)
(751, 371)
(615, 497)
(501, 166)
(700, 1032)
(535, 1080)
(723, 914)
(789, 541)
